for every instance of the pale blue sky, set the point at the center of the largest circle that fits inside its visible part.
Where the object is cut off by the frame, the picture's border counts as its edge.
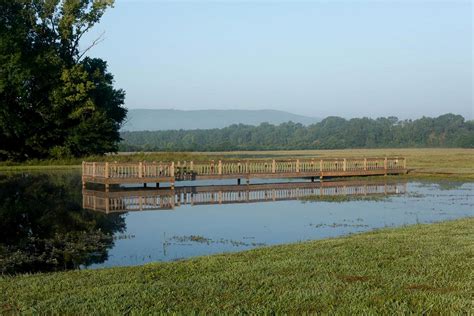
(317, 58)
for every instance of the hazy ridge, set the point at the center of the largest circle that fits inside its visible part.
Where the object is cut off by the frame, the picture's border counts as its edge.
(159, 119)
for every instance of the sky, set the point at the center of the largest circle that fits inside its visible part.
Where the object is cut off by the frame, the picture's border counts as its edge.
(406, 58)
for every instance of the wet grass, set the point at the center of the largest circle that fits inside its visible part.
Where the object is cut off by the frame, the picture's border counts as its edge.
(422, 269)
(345, 198)
(346, 223)
(183, 240)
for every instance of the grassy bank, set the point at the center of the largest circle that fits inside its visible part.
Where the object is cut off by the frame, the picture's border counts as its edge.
(450, 163)
(74, 163)
(420, 269)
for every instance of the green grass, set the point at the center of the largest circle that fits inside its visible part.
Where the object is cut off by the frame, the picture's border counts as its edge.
(419, 269)
(74, 163)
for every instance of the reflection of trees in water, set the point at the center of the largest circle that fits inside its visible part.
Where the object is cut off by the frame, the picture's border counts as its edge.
(44, 228)
(449, 185)
(443, 185)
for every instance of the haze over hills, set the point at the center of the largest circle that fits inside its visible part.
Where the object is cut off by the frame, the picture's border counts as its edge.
(158, 119)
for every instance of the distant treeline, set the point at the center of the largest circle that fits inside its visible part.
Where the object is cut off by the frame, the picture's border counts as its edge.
(447, 130)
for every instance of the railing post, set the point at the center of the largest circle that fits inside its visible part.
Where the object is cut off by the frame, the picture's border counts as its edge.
(297, 165)
(344, 165)
(172, 169)
(385, 165)
(191, 165)
(83, 174)
(93, 169)
(273, 166)
(219, 167)
(365, 164)
(106, 169)
(140, 169)
(404, 163)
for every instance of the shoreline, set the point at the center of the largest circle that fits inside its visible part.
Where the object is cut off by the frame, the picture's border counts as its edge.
(413, 174)
(455, 164)
(367, 271)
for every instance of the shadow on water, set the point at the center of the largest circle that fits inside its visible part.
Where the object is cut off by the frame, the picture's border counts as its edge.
(43, 226)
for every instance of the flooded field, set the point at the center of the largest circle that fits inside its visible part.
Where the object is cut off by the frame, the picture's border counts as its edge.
(50, 223)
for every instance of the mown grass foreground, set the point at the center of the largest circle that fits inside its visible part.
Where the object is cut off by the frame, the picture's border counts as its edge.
(421, 268)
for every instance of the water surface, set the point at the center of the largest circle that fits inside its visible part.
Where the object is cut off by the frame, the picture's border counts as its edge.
(49, 214)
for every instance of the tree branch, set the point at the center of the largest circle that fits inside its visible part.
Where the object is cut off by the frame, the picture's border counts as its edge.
(79, 36)
(94, 43)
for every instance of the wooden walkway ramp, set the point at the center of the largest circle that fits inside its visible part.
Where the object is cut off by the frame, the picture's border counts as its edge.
(166, 199)
(156, 172)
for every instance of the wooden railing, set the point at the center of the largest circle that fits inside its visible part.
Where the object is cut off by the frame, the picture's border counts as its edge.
(289, 166)
(128, 170)
(189, 170)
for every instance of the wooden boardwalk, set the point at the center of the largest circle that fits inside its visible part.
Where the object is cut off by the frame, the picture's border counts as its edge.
(143, 199)
(156, 172)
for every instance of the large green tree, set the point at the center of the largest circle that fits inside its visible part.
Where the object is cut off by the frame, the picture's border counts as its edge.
(54, 101)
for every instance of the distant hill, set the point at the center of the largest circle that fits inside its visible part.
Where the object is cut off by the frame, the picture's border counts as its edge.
(156, 120)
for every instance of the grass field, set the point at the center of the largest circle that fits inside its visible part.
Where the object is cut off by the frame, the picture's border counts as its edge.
(420, 269)
(451, 163)
(76, 162)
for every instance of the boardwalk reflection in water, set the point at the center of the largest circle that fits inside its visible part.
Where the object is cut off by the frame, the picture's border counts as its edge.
(124, 200)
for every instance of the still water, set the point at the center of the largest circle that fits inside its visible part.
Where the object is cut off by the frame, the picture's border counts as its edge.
(49, 223)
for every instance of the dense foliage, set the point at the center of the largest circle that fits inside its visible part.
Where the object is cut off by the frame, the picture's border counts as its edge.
(54, 101)
(44, 228)
(448, 130)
